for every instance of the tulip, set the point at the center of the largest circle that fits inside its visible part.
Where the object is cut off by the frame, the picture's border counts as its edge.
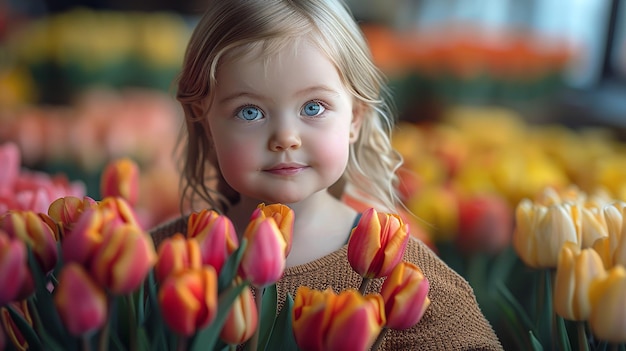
(242, 319)
(13, 333)
(66, 211)
(263, 260)
(594, 226)
(188, 300)
(405, 292)
(13, 268)
(608, 298)
(176, 254)
(541, 231)
(377, 244)
(485, 224)
(119, 211)
(81, 303)
(120, 178)
(216, 236)
(602, 247)
(35, 232)
(84, 238)
(124, 259)
(575, 271)
(326, 321)
(284, 217)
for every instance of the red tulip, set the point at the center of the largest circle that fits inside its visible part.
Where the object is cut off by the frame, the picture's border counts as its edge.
(485, 224)
(284, 217)
(120, 178)
(263, 260)
(242, 320)
(13, 268)
(405, 292)
(216, 236)
(377, 244)
(326, 321)
(176, 254)
(188, 300)
(124, 259)
(81, 303)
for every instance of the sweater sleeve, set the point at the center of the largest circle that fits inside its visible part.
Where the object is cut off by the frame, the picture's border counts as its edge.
(453, 321)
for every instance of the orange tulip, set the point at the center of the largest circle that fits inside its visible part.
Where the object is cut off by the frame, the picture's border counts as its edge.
(608, 298)
(176, 254)
(81, 303)
(284, 217)
(242, 319)
(29, 227)
(119, 211)
(124, 259)
(188, 300)
(405, 292)
(67, 210)
(323, 320)
(263, 260)
(13, 333)
(377, 243)
(216, 236)
(13, 268)
(120, 178)
(575, 271)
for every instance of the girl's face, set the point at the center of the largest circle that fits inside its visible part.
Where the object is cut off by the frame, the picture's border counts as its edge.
(281, 126)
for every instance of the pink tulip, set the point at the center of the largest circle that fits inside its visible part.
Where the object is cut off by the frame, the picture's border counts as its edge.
(377, 244)
(84, 238)
(120, 178)
(405, 292)
(81, 303)
(13, 268)
(263, 260)
(13, 333)
(123, 260)
(66, 211)
(215, 234)
(284, 217)
(176, 254)
(188, 300)
(11, 161)
(242, 319)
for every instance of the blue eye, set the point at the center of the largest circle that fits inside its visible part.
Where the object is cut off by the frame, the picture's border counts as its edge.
(249, 113)
(313, 108)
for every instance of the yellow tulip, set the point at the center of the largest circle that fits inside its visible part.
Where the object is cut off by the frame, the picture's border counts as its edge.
(594, 226)
(575, 271)
(608, 300)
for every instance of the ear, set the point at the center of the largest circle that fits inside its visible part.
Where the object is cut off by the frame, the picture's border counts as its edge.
(358, 114)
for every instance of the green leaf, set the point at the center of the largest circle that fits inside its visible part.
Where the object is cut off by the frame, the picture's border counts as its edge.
(563, 337)
(535, 342)
(159, 336)
(282, 337)
(208, 337)
(229, 270)
(27, 331)
(511, 301)
(268, 314)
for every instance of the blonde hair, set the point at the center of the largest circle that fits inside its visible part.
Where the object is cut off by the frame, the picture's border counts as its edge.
(230, 28)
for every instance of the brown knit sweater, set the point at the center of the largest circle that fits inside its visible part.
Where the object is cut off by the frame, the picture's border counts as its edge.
(453, 321)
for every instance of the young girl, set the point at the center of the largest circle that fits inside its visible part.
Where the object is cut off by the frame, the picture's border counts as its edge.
(282, 103)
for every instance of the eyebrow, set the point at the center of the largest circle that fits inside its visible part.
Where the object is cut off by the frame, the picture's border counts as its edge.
(304, 91)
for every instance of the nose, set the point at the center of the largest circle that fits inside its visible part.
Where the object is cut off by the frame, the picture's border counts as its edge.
(284, 137)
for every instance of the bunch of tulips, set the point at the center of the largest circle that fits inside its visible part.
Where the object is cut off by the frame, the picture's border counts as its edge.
(87, 276)
(577, 243)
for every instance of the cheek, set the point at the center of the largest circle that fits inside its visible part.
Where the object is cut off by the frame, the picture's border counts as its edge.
(333, 152)
(235, 155)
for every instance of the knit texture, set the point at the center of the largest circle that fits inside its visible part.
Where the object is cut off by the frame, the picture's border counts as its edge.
(453, 321)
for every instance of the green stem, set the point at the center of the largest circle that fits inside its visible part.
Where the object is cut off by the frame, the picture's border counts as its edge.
(254, 342)
(181, 345)
(103, 341)
(379, 339)
(364, 283)
(583, 343)
(86, 343)
(133, 322)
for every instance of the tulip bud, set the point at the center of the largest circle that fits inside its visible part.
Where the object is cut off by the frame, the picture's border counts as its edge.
(608, 298)
(405, 292)
(575, 271)
(322, 320)
(120, 178)
(263, 260)
(242, 319)
(13, 333)
(29, 227)
(188, 300)
(594, 226)
(82, 304)
(176, 254)
(67, 210)
(216, 236)
(124, 259)
(13, 268)
(84, 238)
(284, 217)
(377, 244)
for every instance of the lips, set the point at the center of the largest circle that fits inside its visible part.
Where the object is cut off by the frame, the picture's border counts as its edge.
(286, 169)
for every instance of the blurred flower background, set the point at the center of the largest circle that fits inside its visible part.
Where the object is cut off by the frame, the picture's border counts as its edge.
(498, 101)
